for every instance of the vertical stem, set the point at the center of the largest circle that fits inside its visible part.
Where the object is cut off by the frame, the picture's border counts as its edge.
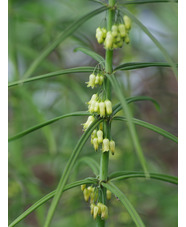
(105, 155)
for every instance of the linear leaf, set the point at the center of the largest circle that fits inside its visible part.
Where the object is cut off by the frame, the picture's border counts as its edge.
(138, 65)
(147, 1)
(131, 126)
(120, 175)
(118, 107)
(52, 74)
(62, 36)
(121, 196)
(156, 42)
(36, 127)
(151, 127)
(67, 170)
(48, 197)
(92, 54)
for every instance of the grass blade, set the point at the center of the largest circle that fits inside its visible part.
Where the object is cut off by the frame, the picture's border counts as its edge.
(156, 42)
(120, 175)
(67, 170)
(131, 126)
(48, 197)
(62, 36)
(49, 75)
(36, 127)
(151, 127)
(121, 196)
(118, 107)
(92, 54)
(139, 65)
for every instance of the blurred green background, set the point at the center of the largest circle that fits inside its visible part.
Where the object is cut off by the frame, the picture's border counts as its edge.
(37, 160)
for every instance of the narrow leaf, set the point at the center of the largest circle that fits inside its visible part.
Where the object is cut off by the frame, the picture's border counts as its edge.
(121, 175)
(131, 126)
(36, 127)
(92, 54)
(118, 107)
(53, 74)
(67, 170)
(156, 42)
(48, 197)
(151, 127)
(138, 65)
(121, 196)
(62, 36)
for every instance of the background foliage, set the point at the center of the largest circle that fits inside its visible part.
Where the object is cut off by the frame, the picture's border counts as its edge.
(37, 160)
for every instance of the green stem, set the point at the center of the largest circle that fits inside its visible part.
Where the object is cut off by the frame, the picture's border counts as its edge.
(105, 155)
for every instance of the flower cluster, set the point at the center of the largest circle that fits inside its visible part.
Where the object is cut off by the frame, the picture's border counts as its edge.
(100, 107)
(117, 36)
(96, 208)
(97, 139)
(95, 80)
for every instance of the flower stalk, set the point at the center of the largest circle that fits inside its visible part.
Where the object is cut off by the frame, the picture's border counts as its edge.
(105, 155)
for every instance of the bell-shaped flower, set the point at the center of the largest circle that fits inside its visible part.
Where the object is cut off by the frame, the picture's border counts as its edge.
(122, 31)
(99, 35)
(112, 146)
(108, 105)
(114, 30)
(83, 186)
(95, 144)
(109, 40)
(88, 122)
(100, 136)
(109, 194)
(97, 79)
(86, 194)
(91, 82)
(105, 145)
(127, 21)
(96, 107)
(102, 109)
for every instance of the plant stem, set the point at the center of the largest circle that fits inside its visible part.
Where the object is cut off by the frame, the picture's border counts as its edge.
(105, 155)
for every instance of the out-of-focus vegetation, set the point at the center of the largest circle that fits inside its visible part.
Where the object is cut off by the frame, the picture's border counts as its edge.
(37, 159)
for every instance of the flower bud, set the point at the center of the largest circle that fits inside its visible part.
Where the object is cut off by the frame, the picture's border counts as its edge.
(97, 80)
(108, 40)
(91, 82)
(93, 98)
(127, 40)
(109, 194)
(96, 107)
(114, 30)
(93, 135)
(83, 186)
(96, 209)
(100, 136)
(99, 35)
(101, 79)
(92, 208)
(127, 21)
(88, 122)
(104, 212)
(95, 144)
(105, 146)
(122, 31)
(102, 109)
(112, 146)
(86, 194)
(91, 106)
(108, 106)
(104, 32)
